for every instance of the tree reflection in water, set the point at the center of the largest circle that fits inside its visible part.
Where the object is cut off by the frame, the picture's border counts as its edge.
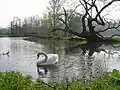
(87, 63)
(90, 47)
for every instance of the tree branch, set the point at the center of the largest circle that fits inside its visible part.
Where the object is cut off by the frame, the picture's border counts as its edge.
(113, 27)
(98, 14)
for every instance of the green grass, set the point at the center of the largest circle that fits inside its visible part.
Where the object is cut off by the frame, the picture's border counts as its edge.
(113, 39)
(70, 38)
(15, 81)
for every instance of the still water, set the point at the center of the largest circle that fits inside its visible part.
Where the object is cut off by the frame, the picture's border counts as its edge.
(76, 61)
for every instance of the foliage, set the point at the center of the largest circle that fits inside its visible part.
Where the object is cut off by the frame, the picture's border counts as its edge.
(15, 81)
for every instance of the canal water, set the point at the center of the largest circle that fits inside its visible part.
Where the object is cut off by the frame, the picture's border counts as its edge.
(76, 61)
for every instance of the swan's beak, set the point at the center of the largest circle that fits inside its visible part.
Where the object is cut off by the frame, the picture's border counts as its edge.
(37, 57)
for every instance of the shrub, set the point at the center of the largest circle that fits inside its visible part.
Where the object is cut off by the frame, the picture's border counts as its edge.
(15, 81)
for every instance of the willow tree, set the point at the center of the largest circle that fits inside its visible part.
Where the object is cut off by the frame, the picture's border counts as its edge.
(91, 18)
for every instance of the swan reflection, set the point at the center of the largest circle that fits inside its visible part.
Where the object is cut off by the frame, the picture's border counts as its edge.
(48, 62)
(44, 70)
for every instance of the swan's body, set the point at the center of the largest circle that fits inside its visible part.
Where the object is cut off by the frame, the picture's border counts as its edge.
(50, 59)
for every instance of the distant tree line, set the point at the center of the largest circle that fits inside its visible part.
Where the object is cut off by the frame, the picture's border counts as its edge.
(83, 18)
(4, 31)
(44, 25)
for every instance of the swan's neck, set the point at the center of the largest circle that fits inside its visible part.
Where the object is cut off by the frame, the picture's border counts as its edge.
(41, 53)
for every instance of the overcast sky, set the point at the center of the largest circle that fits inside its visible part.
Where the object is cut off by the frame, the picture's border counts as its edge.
(27, 8)
(21, 9)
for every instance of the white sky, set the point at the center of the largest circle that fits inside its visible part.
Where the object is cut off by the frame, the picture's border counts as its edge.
(21, 9)
(27, 8)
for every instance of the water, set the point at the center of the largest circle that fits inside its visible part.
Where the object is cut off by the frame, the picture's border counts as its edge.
(74, 61)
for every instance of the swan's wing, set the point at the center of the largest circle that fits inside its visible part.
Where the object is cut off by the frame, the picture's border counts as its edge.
(41, 61)
(52, 59)
(56, 55)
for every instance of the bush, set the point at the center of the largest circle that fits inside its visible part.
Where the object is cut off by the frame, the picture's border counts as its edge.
(15, 81)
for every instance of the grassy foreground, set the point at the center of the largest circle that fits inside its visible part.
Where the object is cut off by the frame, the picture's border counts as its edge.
(15, 81)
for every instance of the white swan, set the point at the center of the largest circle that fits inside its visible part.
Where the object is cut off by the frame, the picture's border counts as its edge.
(50, 59)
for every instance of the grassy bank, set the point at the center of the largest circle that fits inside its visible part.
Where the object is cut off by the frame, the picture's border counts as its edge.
(15, 81)
(71, 38)
(115, 39)
(4, 34)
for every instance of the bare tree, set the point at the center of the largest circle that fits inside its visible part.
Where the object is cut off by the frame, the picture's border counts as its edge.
(91, 18)
(16, 29)
(31, 25)
(54, 11)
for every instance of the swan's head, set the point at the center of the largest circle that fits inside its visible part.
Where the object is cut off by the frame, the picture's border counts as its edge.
(38, 55)
(41, 53)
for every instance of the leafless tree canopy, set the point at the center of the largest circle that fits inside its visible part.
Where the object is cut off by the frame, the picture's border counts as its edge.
(83, 18)
(91, 14)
